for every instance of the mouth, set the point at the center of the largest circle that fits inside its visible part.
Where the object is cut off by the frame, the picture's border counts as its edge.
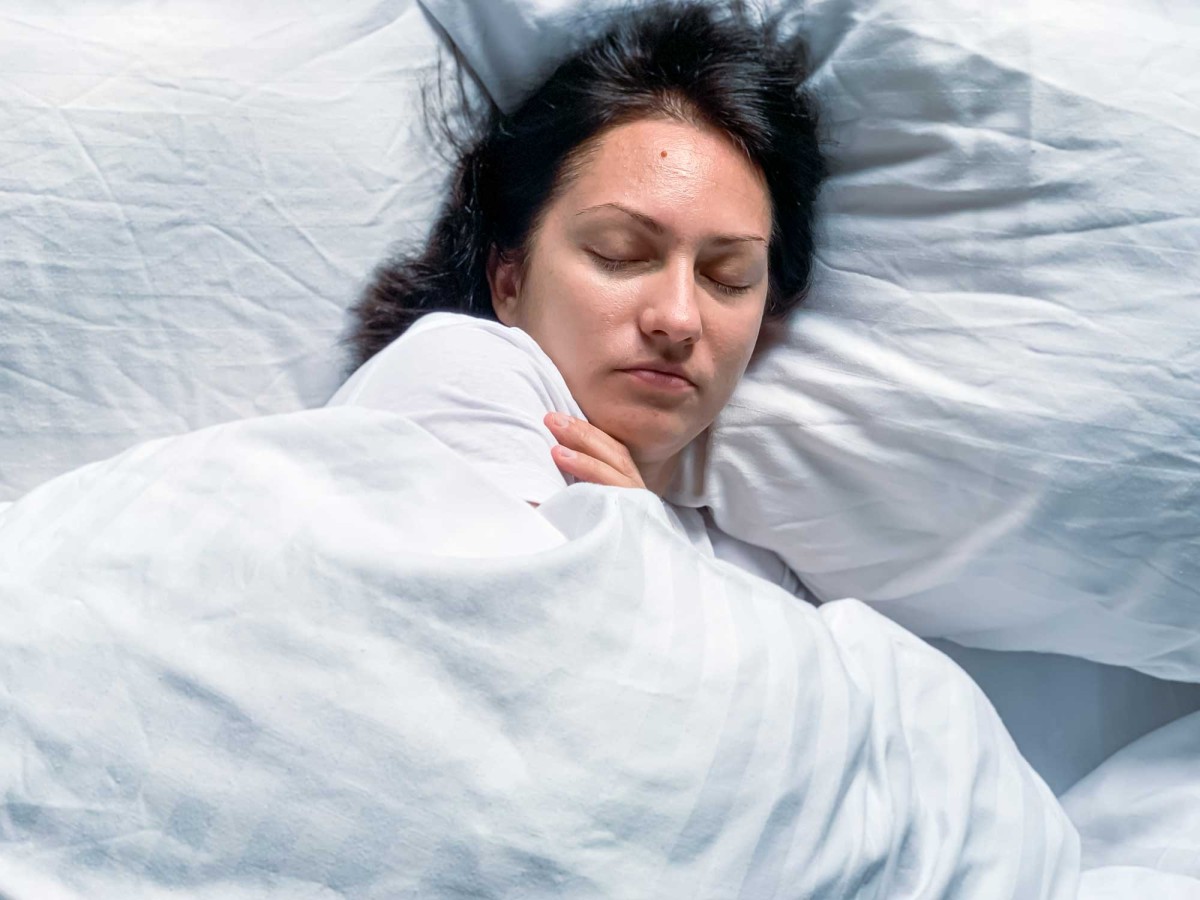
(661, 381)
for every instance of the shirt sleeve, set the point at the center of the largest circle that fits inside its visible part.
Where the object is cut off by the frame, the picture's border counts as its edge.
(481, 395)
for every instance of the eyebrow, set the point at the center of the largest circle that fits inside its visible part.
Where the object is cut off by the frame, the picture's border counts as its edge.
(657, 227)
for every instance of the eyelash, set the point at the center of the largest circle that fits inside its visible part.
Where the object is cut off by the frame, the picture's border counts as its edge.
(616, 265)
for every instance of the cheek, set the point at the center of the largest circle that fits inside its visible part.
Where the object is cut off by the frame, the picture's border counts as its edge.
(548, 295)
(737, 346)
(577, 311)
(580, 305)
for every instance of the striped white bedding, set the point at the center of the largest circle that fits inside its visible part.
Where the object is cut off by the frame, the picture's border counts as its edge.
(317, 655)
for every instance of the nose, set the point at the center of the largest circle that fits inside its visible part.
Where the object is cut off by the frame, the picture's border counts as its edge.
(670, 313)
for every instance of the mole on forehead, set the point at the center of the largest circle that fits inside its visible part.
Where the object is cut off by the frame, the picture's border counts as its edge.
(663, 154)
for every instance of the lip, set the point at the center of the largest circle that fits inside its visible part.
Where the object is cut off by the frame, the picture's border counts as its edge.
(664, 381)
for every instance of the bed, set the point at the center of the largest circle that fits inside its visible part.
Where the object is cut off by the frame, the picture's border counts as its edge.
(977, 443)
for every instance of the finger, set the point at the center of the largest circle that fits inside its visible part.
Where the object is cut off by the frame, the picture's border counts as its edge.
(587, 468)
(616, 466)
(592, 441)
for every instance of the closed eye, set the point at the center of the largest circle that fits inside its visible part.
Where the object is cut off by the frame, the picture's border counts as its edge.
(619, 265)
(614, 265)
(731, 289)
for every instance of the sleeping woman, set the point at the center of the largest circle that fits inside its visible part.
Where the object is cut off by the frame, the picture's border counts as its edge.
(608, 258)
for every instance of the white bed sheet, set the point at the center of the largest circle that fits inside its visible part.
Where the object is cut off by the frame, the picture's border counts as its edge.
(192, 195)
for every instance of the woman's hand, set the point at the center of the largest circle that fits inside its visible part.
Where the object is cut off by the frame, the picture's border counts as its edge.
(588, 454)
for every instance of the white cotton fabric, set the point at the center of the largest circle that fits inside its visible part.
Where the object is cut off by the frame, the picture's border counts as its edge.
(984, 422)
(274, 659)
(479, 386)
(483, 389)
(191, 196)
(1141, 808)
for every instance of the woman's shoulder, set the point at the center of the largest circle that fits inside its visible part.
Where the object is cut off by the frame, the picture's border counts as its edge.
(450, 352)
(456, 334)
(478, 386)
(457, 325)
(478, 348)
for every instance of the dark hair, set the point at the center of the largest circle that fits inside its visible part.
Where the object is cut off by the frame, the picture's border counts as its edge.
(723, 69)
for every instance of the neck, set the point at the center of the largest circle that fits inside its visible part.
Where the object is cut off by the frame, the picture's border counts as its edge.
(657, 475)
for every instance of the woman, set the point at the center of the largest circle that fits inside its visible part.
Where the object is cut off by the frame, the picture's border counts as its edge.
(610, 254)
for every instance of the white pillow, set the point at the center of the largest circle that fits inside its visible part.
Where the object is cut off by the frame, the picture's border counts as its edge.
(986, 421)
(510, 46)
(191, 196)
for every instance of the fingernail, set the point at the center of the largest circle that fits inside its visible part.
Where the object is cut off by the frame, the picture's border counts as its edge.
(564, 452)
(558, 420)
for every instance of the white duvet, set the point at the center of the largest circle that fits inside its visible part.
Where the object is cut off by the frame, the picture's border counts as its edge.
(318, 655)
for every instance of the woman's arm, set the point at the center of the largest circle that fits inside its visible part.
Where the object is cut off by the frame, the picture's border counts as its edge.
(480, 389)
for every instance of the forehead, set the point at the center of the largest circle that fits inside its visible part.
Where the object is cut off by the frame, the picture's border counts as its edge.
(690, 178)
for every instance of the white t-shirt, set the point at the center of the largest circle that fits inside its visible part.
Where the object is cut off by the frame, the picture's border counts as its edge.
(483, 388)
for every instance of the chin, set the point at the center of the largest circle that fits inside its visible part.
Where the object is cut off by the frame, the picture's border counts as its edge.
(649, 433)
(649, 444)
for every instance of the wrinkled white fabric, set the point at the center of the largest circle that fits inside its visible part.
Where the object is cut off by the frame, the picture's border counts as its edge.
(277, 658)
(192, 194)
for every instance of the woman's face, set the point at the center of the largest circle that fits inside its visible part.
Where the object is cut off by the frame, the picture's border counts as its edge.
(655, 255)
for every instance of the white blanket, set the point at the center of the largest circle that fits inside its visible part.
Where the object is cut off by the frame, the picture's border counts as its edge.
(318, 655)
